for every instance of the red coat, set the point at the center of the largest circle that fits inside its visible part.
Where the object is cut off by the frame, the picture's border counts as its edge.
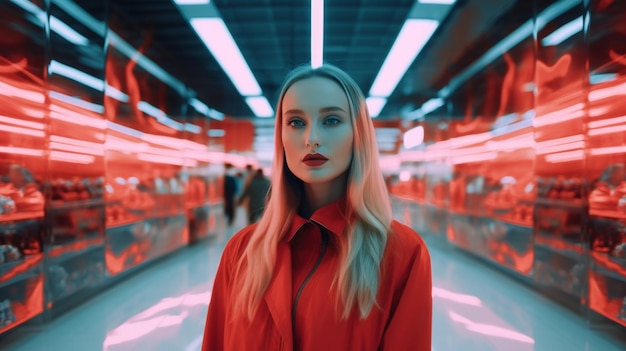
(402, 321)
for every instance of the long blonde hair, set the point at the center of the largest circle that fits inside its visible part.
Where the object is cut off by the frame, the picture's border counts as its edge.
(361, 247)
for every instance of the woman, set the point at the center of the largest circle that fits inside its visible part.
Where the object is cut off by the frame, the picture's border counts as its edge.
(326, 267)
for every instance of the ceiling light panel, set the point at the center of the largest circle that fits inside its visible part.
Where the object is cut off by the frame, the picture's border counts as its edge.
(219, 41)
(414, 34)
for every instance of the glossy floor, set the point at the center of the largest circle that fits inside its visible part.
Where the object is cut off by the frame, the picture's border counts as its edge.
(163, 308)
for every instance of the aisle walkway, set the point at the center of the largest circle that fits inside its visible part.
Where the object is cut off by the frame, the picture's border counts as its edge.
(164, 306)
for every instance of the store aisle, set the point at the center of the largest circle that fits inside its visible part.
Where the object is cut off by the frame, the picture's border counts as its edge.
(163, 308)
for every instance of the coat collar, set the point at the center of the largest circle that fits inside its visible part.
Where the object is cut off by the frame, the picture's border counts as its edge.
(332, 217)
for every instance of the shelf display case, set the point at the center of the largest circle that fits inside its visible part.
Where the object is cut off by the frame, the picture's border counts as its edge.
(22, 174)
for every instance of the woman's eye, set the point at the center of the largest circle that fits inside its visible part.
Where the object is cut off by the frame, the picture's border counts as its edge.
(296, 123)
(332, 121)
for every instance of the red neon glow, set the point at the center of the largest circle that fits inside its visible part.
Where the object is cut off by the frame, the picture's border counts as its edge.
(542, 150)
(608, 92)
(21, 151)
(608, 150)
(20, 122)
(566, 114)
(607, 122)
(12, 91)
(63, 114)
(78, 149)
(607, 130)
(19, 130)
(565, 156)
(71, 157)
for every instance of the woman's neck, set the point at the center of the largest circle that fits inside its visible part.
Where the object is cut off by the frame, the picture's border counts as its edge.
(321, 194)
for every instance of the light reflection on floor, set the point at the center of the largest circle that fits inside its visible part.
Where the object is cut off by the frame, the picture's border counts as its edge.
(164, 306)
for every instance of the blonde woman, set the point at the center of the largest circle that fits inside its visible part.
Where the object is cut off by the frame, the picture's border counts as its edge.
(326, 267)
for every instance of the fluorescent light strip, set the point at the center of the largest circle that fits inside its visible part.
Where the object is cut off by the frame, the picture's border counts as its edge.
(414, 34)
(66, 32)
(76, 75)
(413, 137)
(441, 2)
(71, 157)
(218, 40)
(260, 106)
(191, 2)
(563, 33)
(375, 105)
(20, 130)
(159, 115)
(19, 122)
(77, 102)
(317, 33)
(192, 128)
(21, 151)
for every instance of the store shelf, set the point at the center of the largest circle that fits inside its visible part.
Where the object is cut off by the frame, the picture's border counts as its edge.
(11, 272)
(575, 204)
(59, 205)
(605, 265)
(21, 216)
(61, 253)
(576, 256)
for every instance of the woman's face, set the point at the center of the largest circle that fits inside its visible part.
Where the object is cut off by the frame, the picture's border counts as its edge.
(316, 121)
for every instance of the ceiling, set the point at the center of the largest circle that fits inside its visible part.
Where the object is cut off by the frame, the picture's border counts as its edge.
(274, 36)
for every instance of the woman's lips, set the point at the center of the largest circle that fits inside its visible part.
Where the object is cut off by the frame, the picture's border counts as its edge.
(314, 162)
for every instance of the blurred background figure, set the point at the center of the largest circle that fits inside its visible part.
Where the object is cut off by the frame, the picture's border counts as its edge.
(255, 193)
(230, 189)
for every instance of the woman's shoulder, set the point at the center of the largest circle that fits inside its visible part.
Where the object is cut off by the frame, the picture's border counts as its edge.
(404, 239)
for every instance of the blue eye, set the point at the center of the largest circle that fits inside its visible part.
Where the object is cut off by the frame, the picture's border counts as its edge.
(332, 121)
(296, 123)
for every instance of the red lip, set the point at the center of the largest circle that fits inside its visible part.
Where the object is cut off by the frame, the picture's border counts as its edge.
(314, 157)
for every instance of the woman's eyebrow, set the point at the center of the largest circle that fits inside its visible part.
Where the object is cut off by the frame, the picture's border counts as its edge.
(323, 109)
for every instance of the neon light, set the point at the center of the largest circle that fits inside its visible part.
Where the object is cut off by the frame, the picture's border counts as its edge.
(260, 106)
(113, 92)
(71, 157)
(563, 33)
(192, 128)
(414, 34)
(191, 2)
(124, 130)
(608, 150)
(62, 114)
(99, 109)
(20, 130)
(375, 105)
(77, 149)
(19, 122)
(565, 156)
(21, 151)
(317, 33)
(485, 156)
(607, 130)
(413, 137)
(607, 122)
(442, 2)
(542, 149)
(216, 133)
(76, 75)
(8, 90)
(218, 40)
(66, 32)
(159, 115)
(605, 93)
